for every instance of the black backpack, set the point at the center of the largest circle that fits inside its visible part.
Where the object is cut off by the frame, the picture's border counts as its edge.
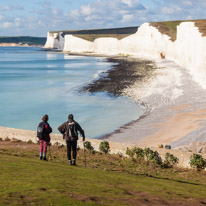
(71, 132)
(41, 130)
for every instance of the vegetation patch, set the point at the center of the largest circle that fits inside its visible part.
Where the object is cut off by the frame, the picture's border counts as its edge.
(92, 34)
(23, 40)
(170, 27)
(107, 179)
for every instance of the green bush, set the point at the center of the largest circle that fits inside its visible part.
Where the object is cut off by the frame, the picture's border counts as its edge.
(130, 152)
(88, 146)
(57, 143)
(136, 151)
(139, 152)
(170, 160)
(152, 157)
(29, 142)
(197, 162)
(104, 147)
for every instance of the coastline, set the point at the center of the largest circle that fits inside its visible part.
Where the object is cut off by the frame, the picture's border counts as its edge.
(169, 121)
(174, 101)
(164, 92)
(19, 45)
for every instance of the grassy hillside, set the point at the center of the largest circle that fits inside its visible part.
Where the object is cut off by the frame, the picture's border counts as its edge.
(170, 27)
(93, 34)
(24, 40)
(107, 180)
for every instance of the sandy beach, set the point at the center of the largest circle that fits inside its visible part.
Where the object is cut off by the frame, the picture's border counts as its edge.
(175, 103)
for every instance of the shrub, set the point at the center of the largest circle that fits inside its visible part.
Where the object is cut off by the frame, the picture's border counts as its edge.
(57, 143)
(197, 161)
(152, 157)
(170, 160)
(129, 152)
(88, 146)
(104, 147)
(7, 139)
(29, 142)
(120, 154)
(139, 152)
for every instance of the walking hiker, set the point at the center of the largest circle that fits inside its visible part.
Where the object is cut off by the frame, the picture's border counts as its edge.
(43, 131)
(70, 130)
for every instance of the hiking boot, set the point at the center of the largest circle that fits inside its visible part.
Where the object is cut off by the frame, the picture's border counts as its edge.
(74, 162)
(45, 159)
(69, 162)
(41, 158)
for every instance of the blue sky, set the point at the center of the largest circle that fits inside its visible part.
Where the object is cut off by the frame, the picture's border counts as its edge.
(36, 17)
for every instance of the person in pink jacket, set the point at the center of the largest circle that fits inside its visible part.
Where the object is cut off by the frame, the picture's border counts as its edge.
(43, 133)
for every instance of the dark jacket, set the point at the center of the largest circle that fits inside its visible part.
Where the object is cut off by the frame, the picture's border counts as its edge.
(46, 131)
(63, 128)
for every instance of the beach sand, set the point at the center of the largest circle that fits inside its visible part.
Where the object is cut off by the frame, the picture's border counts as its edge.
(176, 109)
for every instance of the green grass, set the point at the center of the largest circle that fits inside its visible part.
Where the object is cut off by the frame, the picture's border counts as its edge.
(170, 27)
(107, 180)
(24, 40)
(93, 34)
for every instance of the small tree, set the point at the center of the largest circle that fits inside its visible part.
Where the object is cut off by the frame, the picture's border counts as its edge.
(139, 152)
(104, 147)
(170, 160)
(152, 156)
(88, 146)
(129, 152)
(197, 161)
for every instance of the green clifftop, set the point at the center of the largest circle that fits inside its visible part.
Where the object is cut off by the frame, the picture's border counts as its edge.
(170, 27)
(92, 34)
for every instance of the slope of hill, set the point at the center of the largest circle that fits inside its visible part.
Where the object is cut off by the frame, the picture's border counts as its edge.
(107, 180)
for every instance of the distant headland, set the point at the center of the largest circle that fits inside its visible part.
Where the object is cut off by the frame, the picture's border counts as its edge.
(22, 41)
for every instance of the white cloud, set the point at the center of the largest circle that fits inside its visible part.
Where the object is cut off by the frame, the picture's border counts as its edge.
(127, 2)
(127, 18)
(48, 15)
(86, 10)
(6, 25)
(10, 8)
(166, 10)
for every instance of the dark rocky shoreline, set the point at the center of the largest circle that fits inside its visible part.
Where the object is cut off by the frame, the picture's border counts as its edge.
(123, 74)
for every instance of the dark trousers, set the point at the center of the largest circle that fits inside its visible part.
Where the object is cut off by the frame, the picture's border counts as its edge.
(71, 145)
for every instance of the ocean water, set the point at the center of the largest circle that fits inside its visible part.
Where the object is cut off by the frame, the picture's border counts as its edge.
(34, 82)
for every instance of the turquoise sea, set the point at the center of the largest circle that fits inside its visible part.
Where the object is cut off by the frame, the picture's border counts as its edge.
(34, 82)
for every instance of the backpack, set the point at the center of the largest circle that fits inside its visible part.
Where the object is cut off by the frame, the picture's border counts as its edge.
(41, 130)
(71, 132)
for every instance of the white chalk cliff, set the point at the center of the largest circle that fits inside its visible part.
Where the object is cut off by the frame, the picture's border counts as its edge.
(188, 50)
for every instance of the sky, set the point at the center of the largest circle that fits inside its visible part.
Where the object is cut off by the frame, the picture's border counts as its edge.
(37, 17)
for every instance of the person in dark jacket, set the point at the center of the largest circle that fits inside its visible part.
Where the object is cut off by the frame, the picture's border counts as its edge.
(44, 136)
(70, 131)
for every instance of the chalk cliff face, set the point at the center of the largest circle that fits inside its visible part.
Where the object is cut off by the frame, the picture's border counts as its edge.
(55, 41)
(75, 44)
(188, 50)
